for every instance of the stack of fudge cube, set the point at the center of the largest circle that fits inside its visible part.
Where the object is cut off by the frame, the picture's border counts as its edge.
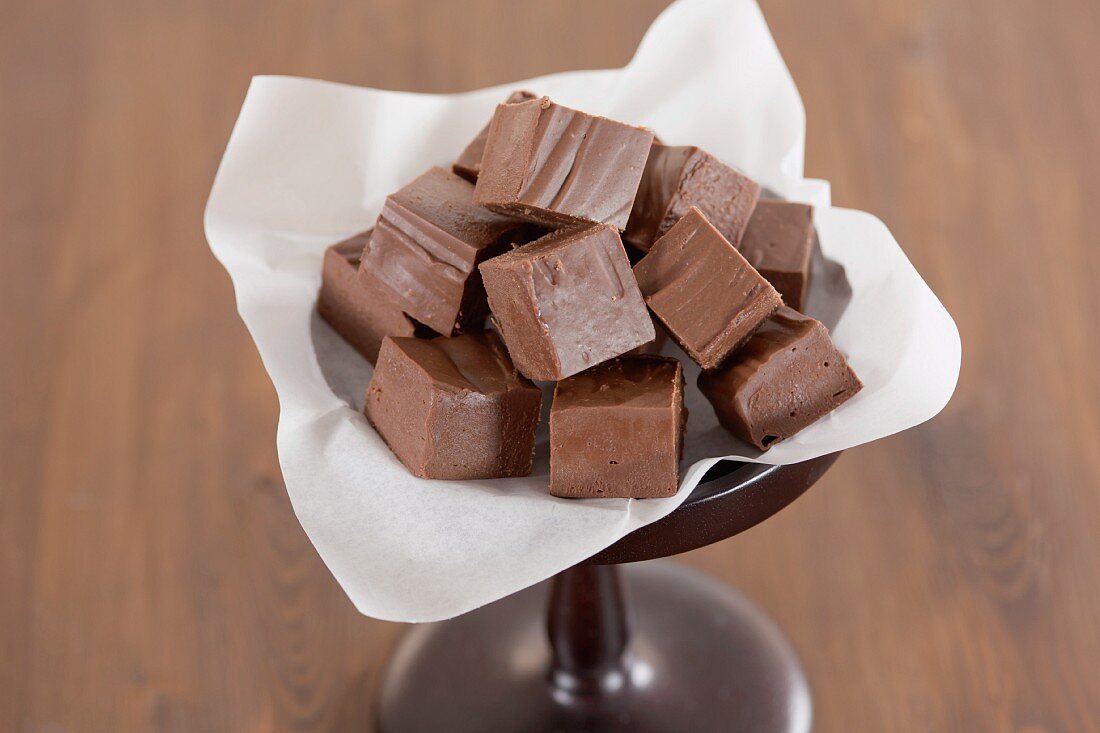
(562, 247)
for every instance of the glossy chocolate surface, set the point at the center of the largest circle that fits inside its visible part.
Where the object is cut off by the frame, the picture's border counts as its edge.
(787, 376)
(426, 246)
(617, 430)
(468, 163)
(558, 166)
(703, 291)
(454, 408)
(679, 177)
(566, 302)
(779, 243)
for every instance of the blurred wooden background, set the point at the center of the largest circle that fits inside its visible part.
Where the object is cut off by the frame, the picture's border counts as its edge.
(152, 574)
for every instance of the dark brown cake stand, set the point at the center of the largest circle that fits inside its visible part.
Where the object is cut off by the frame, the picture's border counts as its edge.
(667, 650)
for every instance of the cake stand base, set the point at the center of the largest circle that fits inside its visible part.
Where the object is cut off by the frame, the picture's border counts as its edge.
(690, 654)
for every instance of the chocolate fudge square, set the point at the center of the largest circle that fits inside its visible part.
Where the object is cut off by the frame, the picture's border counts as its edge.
(779, 242)
(468, 163)
(426, 246)
(454, 408)
(704, 292)
(788, 376)
(363, 315)
(678, 177)
(617, 430)
(558, 166)
(566, 302)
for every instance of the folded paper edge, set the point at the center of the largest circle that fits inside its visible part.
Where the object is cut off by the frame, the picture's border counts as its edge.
(813, 190)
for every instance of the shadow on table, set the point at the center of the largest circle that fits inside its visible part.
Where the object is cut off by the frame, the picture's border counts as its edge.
(354, 709)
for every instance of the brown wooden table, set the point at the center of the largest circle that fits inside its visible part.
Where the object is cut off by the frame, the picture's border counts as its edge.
(152, 574)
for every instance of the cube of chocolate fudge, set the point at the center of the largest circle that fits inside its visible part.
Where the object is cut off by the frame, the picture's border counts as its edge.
(557, 166)
(779, 242)
(617, 430)
(704, 292)
(454, 408)
(787, 377)
(678, 177)
(426, 246)
(363, 314)
(468, 164)
(566, 302)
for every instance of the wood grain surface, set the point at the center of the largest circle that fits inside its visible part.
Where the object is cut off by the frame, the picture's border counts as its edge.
(152, 574)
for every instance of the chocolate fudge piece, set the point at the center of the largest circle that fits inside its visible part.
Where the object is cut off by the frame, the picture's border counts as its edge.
(788, 376)
(468, 164)
(454, 408)
(426, 246)
(617, 430)
(557, 166)
(566, 302)
(679, 177)
(362, 314)
(704, 292)
(779, 242)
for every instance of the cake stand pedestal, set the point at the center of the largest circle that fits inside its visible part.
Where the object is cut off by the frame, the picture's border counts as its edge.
(649, 647)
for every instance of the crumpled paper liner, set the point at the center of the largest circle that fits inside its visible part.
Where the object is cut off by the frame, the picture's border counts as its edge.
(310, 162)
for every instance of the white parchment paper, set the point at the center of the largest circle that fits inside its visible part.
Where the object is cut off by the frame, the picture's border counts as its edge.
(310, 162)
